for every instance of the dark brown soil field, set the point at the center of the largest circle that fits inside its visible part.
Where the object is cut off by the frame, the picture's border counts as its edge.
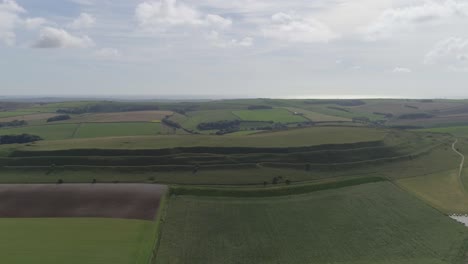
(128, 201)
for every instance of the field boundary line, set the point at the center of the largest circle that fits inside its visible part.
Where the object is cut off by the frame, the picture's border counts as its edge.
(76, 130)
(163, 204)
(460, 169)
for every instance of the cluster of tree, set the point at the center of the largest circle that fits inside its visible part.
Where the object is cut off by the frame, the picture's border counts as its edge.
(259, 107)
(415, 116)
(411, 106)
(352, 102)
(14, 123)
(277, 180)
(184, 109)
(220, 125)
(361, 119)
(108, 108)
(386, 115)
(171, 123)
(18, 139)
(58, 118)
(338, 109)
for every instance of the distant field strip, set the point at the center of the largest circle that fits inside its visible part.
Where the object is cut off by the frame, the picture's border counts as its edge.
(370, 223)
(135, 116)
(47, 132)
(87, 130)
(291, 138)
(277, 115)
(95, 130)
(317, 117)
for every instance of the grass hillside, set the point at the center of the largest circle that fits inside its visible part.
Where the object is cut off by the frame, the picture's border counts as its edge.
(372, 223)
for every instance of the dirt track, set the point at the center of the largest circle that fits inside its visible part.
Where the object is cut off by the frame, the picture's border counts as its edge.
(129, 201)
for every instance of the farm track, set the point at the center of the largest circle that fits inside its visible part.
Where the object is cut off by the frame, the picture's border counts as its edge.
(462, 163)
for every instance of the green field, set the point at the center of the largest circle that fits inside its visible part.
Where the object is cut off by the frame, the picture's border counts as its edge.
(290, 138)
(192, 119)
(14, 113)
(276, 115)
(318, 117)
(371, 223)
(95, 130)
(458, 131)
(86, 130)
(47, 132)
(443, 190)
(76, 241)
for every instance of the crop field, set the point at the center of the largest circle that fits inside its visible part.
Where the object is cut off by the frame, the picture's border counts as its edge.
(442, 190)
(76, 240)
(371, 223)
(290, 138)
(94, 130)
(275, 115)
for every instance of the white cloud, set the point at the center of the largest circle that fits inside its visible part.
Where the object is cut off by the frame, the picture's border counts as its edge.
(293, 28)
(50, 37)
(219, 41)
(451, 53)
(402, 70)
(33, 23)
(157, 16)
(395, 20)
(9, 17)
(218, 21)
(108, 53)
(84, 20)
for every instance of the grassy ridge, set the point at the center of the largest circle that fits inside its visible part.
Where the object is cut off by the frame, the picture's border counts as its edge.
(274, 191)
(369, 223)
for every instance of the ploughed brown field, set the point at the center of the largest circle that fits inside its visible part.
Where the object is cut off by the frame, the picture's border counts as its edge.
(138, 116)
(127, 201)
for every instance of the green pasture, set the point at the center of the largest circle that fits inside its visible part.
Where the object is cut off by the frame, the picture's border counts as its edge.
(14, 113)
(276, 115)
(371, 223)
(76, 241)
(95, 130)
(47, 132)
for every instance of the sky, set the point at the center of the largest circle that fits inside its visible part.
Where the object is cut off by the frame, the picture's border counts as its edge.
(243, 48)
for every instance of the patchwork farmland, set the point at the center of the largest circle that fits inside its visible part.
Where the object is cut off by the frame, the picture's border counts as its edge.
(233, 181)
(107, 223)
